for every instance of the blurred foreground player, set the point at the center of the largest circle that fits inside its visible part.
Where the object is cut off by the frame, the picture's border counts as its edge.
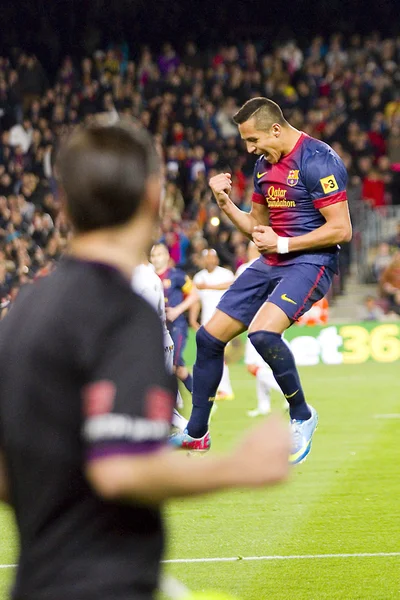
(86, 401)
(299, 215)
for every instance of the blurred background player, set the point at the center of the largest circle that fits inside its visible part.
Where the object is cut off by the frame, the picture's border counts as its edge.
(265, 381)
(179, 295)
(211, 283)
(147, 284)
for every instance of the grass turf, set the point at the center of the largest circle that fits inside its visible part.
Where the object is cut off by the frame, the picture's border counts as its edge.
(343, 499)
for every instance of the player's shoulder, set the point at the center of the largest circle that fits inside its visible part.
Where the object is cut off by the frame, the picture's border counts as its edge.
(199, 275)
(317, 149)
(223, 271)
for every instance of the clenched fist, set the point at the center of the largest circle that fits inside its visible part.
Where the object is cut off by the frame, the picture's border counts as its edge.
(220, 186)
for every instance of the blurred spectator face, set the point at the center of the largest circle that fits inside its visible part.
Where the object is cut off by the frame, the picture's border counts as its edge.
(383, 249)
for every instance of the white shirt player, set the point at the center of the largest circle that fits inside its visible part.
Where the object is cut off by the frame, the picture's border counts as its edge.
(210, 298)
(148, 285)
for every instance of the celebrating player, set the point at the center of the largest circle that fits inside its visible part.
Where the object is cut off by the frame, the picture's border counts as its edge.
(299, 216)
(180, 295)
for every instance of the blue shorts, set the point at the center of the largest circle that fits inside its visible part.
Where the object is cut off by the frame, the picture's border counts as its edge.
(179, 335)
(294, 288)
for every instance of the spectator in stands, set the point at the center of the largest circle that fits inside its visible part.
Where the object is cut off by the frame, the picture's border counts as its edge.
(371, 311)
(390, 284)
(382, 259)
(341, 91)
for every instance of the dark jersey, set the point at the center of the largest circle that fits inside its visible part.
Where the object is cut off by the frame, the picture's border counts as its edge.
(81, 376)
(176, 285)
(312, 176)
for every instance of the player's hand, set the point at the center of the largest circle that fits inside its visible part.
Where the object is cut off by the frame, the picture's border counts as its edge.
(172, 313)
(221, 186)
(263, 456)
(201, 286)
(265, 239)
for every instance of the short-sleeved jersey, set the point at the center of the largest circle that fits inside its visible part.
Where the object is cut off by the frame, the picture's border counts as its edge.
(147, 284)
(312, 176)
(177, 285)
(210, 298)
(82, 376)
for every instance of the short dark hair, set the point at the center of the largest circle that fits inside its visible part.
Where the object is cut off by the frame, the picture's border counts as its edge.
(265, 111)
(104, 170)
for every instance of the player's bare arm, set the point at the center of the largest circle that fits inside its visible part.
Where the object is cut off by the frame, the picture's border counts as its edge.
(173, 312)
(214, 286)
(194, 312)
(337, 229)
(4, 489)
(260, 460)
(221, 186)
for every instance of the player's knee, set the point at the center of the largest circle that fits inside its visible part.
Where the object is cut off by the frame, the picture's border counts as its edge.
(267, 343)
(207, 344)
(252, 369)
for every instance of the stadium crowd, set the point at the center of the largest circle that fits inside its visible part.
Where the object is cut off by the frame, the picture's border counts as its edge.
(345, 92)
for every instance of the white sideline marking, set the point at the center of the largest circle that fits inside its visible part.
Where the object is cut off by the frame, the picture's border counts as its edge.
(290, 557)
(388, 416)
(273, 557)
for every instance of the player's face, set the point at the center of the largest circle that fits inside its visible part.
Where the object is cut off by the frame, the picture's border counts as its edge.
(210, 261)
(262, 142)
(159, 258)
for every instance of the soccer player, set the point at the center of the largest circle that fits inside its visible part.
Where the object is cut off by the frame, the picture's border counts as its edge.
(180, 295)
(299, 215)
(211, 282)
(86, 401)
(147, 284)
(265, 381)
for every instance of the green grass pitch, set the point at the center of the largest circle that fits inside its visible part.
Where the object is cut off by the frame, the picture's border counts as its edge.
(345, 499)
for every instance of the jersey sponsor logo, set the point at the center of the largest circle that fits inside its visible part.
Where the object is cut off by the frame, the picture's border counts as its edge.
(166, 283)
(284, 297)
(159, 403)
(112, 427)
(98, 398)
(276, 198)
(293, 177)
(329, 184)
(259, 175)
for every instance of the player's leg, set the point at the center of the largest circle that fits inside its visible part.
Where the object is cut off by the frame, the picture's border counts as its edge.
(178, 420)
(225, 391)
(300, 286)
(179, 336)
(263, 395)
(235, 311)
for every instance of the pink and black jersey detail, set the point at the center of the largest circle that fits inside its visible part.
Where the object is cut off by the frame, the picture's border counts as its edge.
(312, 176)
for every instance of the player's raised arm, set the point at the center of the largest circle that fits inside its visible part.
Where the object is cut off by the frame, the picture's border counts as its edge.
(221, 185)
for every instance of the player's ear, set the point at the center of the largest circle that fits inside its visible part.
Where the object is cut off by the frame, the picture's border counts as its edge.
(276, 129)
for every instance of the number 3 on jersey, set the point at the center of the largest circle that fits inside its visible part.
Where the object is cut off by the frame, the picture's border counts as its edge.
(329, 184)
